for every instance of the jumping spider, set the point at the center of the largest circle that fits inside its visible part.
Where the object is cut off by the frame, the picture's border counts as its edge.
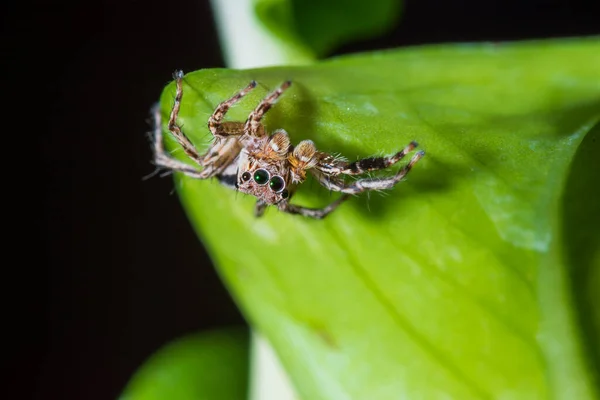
(244, 157)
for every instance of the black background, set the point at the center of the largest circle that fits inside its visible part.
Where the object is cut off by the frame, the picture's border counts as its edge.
(116, 270)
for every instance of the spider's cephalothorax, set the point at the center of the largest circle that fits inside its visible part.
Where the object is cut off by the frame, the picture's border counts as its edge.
(265, 176)
(245, 157)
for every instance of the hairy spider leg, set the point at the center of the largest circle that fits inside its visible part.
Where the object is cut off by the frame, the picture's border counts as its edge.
(215, 124)
(161, 157)
(253, 126)
(362, 166)
(317, 213)
(377, 163)
(363, 185)
(259, 208)
(175, 129)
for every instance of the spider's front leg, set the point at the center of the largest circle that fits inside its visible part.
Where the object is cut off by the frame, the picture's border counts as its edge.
(226, 146)
(161, 157)
(253, 125)
(316, 213)
(223, 129)
(175, 129)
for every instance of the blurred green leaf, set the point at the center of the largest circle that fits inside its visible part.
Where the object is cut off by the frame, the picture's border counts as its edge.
(469, 280)
(317, 27)
(206, 366)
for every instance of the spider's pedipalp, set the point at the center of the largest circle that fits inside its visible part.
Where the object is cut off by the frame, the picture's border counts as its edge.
(215, 124)
(302, 159)
(277, 147)
(253, 124)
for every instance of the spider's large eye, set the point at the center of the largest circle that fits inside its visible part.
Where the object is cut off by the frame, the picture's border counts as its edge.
(261, 176)
(276, 183)
(246, 176)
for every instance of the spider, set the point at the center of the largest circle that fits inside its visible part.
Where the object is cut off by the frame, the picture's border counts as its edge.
(244, 157)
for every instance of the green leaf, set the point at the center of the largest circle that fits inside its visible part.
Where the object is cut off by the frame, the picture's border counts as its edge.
(205, 366)
(317, 27)
(581, 233)
(470, 279)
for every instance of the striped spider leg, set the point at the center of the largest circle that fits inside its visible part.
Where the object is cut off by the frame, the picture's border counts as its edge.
(328, 171)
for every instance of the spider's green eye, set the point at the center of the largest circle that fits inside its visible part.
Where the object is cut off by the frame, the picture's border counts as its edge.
(261, 176)
(276, 183)
(246, 176)
(284, 194)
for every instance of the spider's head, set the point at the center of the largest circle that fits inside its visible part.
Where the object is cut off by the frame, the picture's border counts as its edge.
(263, 168)
(267, 182)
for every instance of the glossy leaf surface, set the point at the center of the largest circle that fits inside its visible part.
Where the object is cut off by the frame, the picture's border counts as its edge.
(206, 366)
(316, 27)
(468, 280)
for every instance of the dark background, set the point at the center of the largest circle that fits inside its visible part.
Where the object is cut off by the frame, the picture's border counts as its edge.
(117, 271)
